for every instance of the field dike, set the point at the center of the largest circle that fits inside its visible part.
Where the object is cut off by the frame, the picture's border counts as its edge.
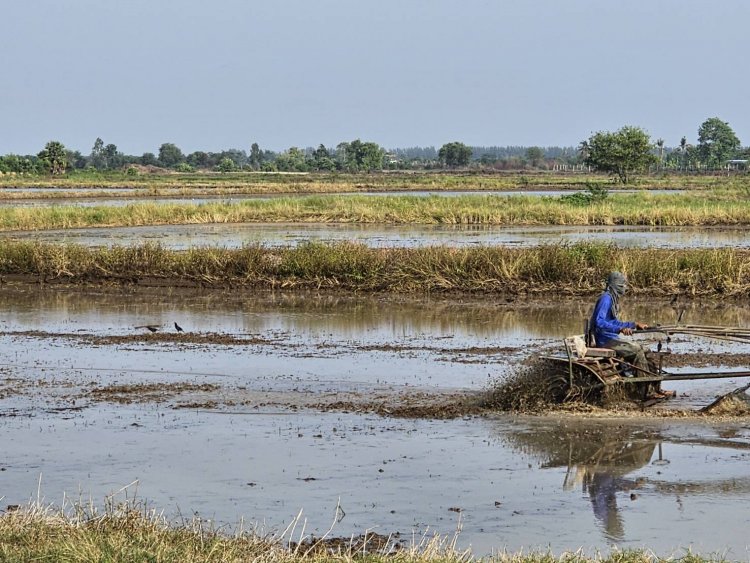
(577, 269)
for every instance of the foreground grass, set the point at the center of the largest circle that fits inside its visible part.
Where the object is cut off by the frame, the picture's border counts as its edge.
(726, 208)
(554, 269)
(123, 534)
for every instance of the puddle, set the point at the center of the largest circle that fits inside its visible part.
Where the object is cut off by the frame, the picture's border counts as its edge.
(225, 430)
(182, 237)
(514, 483)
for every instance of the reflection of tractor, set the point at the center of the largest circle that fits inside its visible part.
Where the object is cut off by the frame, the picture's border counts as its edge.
(583, 373)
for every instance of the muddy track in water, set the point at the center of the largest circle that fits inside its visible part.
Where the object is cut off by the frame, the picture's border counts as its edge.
(72, 389)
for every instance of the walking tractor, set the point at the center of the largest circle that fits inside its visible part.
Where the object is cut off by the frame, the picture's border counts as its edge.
(586, 373)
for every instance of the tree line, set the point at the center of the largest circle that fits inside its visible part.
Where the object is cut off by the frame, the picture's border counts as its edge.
(621, 153)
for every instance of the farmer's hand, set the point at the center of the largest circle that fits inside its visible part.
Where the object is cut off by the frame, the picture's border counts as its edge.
(641, 326)
(626, 331)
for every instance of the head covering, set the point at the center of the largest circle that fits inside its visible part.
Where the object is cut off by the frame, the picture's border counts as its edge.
(617, 284)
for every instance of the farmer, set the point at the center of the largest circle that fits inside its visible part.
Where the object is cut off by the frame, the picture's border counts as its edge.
(607, 328)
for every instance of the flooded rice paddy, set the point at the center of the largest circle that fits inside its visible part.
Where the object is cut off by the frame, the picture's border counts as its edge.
(268, 404)
(182, 237)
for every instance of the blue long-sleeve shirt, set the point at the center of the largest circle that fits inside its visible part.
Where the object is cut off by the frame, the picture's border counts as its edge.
(604, 325)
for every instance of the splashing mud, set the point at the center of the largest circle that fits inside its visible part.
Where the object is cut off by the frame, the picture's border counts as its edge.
(526, 390)
(736, 403)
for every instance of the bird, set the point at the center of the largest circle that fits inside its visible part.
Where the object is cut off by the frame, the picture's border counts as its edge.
(674, 300)
(178, 328)
(658, 346)
(151, 328)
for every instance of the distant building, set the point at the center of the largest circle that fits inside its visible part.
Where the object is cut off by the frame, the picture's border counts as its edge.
(737, 164)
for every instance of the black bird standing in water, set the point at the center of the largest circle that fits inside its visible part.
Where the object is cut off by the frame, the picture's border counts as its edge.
(178, 328)
(152, 328)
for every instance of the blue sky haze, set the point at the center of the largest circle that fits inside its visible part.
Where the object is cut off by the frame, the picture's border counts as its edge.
(223, 74)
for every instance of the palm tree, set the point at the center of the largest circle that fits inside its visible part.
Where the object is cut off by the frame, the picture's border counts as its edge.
(683, 151)
(660, 144)
(583, 150)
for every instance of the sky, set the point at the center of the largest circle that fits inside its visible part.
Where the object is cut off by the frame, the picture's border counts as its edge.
(226, 73)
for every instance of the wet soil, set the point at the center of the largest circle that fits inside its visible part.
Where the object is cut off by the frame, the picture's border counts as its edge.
(505, 392)
(268, 404)
(141, 393)
(450, 358)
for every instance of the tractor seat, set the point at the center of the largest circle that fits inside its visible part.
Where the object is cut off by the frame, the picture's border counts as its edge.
(577, 345)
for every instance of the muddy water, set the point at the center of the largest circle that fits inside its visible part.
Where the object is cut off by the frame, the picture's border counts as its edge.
(275, 234)
(435, 342)
(515, 482)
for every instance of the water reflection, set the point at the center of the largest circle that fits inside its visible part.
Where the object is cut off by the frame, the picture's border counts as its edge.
(182, 237)
(601, 470)
(481, 321)
(614, 464)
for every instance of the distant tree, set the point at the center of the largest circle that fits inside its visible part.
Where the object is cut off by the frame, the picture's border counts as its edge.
(226, 164)
(170, 155)
(534, 155)
(358, 156)
(54, 157)
(454, 154)
(292, 160)
(17, 164)
(321, 159)
(238, 157)
(692, 157)
(583, 151)
(486, 159)
(199, 159)
(148, 159)
(660, 147)
(184, 167)
(76, 160)
(622, 153)
(717, 142)
(112, 157)
(683, 152)
(416, 154)
(97, 154)
(256, 156)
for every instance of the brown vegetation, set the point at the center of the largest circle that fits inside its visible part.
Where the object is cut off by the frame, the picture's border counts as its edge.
(571, 269)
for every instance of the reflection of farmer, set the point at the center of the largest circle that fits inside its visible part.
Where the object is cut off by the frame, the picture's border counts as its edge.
(607, 328)
(602, 476)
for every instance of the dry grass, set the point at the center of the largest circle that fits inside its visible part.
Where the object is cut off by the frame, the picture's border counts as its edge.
(726, 208)
(130, 533)
(576, 269)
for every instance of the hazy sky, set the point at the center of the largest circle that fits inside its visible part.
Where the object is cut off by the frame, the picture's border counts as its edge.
(226, 73)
